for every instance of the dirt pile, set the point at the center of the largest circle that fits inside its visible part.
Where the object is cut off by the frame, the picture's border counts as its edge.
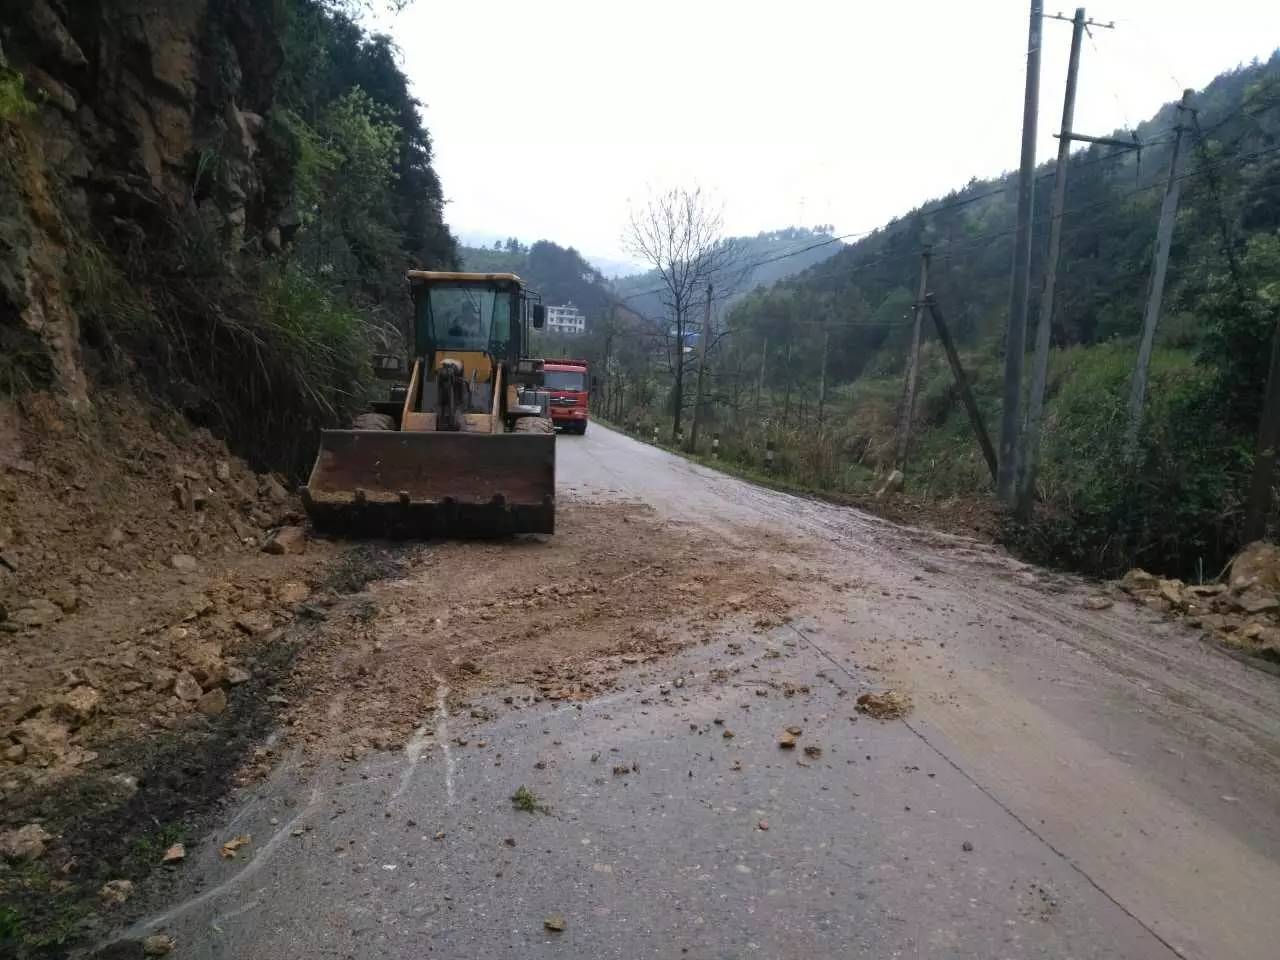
(133, 589)
(1243, 613)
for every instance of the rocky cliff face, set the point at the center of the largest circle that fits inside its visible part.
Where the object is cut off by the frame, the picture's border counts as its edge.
(140, 116)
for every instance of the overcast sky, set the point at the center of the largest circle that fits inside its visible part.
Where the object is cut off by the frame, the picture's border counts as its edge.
(549, 118)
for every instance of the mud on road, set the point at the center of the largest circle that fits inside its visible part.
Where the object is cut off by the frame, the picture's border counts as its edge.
(325, 655)
(558, 617)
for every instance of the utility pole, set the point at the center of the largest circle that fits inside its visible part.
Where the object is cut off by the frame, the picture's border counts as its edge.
(1015, 339)
(702, 367)
(1160, 265)
(764, 355)
(1264, 460)
(822, 377)
(1040, 367)
(907, 410)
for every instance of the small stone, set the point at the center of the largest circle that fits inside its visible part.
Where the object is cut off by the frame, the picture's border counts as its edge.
(15, 753)
(37, 612)
(967, 846)
(1097, 603)
(158, 945)
(286, 540)
(44, 739)
(554, 922)
(78, 705)
(183, 562)
(812, 750)
(254, 622)
(186, 687)
(25, 843)
(115, 892)
(222, 471)
(205, 662)
(787, 741)
(763, 825)
(1138, 580)
(65, 599)
(213, 702)
(175, 854)
(238, 675)
(292, 592)
(272, 488)
(728, 734)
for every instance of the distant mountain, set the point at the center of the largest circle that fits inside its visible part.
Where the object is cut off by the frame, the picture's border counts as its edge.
(613, 269)
(761, 261)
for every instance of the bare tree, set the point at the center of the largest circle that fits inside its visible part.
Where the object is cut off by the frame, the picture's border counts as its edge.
(679, 233)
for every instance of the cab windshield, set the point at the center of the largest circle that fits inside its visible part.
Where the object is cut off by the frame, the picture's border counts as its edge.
(465, 317)
(565, 380)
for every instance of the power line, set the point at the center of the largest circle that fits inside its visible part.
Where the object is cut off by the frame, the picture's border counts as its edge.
(1201, 170)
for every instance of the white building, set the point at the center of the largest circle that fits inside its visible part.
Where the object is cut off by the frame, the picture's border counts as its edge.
(565, 319)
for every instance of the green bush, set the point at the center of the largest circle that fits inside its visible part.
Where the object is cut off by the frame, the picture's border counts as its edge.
(14, 104)
(1176, 507)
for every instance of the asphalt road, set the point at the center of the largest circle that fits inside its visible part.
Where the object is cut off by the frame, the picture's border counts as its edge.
(1071, 783)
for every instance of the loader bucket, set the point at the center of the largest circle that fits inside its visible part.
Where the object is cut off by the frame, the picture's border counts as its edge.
(375, 483)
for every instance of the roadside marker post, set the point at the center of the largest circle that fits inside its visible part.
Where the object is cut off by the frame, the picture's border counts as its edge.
(768, 455)
(715, 445)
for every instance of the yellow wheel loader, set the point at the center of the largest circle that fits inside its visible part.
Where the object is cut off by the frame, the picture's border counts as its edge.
(465, 446)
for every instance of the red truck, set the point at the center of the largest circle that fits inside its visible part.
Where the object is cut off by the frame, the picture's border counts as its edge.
(569, 386)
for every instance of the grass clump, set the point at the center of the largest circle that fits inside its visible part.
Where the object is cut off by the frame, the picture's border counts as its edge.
(526, 800)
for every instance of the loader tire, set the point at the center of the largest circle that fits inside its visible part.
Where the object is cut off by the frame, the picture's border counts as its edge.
(373, 421)
(533, 425)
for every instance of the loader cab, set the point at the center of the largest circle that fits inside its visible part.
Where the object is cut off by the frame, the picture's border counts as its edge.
(486, 313)
(470, 329)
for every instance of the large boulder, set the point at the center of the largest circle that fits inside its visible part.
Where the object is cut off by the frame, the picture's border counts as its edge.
(1258, 566)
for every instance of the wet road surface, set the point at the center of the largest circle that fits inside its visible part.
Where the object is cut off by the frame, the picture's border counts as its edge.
(1071, 783)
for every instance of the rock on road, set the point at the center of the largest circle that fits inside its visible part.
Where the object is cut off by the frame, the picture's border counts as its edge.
(1071, 782)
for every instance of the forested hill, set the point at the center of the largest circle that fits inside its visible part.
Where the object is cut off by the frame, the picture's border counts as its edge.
(1176, 502)
(1113, 196)
(560, 274)
(759, 261)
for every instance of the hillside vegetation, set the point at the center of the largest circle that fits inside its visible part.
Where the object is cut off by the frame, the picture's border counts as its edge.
(214, 204)
(1179, 508)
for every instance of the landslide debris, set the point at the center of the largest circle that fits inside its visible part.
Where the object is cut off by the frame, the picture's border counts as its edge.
(1243, 613)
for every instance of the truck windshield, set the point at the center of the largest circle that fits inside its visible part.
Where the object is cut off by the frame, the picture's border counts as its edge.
(466, 317)
(565, 380)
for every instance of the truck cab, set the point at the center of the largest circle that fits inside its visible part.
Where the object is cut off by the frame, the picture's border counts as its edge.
(569, 386)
